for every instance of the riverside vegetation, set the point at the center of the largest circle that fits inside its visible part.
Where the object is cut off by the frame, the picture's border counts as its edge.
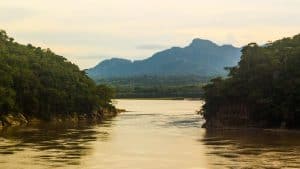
(262, 91)
(36, 83)
(157, 86)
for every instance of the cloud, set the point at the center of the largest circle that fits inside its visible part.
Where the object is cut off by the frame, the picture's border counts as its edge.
(8, 15)
(150, 47)
(135, 29)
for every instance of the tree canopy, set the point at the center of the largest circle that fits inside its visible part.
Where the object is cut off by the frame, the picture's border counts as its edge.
(39, 83)
(157, 86)
(266, 82)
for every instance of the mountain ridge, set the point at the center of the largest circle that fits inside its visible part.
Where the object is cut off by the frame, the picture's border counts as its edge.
(201, 57)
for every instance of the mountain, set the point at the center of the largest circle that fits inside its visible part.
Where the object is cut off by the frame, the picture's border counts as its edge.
(201, 58)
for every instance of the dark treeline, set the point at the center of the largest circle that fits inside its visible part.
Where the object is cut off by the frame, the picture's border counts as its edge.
(39, 83)
(262, 91)
(149, 86)
(191, 91)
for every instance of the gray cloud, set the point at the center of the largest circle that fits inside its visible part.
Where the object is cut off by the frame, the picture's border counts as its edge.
(15, 14)
(90, 30)
(150, 47)
(91, 57)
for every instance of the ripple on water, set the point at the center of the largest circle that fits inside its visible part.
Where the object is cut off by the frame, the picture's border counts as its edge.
(51, 146)
(252, 149)
(168, 138)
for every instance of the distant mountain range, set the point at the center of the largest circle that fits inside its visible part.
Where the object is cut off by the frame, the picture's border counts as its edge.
(200, 58)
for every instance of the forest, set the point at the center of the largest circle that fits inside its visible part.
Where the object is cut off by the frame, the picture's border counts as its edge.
(262, 91)
(38, 83)
(150, 86)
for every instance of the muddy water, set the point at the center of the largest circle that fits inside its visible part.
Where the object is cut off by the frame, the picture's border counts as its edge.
(154, 134)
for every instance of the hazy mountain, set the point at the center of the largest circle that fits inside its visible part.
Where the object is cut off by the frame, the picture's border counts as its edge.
(200, 58)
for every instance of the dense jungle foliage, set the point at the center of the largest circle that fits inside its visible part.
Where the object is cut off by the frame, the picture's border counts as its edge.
(39, 83)
(266, 84)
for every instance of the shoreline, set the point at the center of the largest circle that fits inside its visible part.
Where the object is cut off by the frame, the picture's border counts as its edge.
(19, 120)
(163, 98)
(251, 128)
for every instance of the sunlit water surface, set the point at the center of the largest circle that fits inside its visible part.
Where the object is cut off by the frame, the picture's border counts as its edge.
(154, 134)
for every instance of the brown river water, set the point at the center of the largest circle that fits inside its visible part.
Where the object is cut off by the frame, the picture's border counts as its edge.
(153, 134)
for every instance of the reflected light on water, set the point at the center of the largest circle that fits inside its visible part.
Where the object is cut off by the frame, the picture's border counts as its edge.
(153, 134)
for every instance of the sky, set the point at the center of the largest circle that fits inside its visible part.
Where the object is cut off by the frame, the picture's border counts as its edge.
(89, 31)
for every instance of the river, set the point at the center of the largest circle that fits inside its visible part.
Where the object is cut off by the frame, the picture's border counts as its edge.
(153, 134)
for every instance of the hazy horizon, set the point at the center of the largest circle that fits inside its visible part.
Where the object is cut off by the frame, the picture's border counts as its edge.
(89, 31)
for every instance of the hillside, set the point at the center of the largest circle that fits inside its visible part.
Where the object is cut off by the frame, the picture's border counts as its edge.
(262, 91)
(37, 83)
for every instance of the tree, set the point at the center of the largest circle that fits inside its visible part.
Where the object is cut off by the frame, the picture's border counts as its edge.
(266, 83)
(39, 83)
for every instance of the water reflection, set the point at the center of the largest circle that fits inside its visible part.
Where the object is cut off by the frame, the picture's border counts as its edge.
(252, 148)
(49, 145)
(162, 134)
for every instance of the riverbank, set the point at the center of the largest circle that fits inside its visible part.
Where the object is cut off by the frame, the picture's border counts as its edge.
(19, 119)
(160, 98)
(243, 116)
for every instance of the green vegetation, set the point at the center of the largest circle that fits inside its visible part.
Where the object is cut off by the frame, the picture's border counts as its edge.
(262, 91)
(39, 83)
(157, 86)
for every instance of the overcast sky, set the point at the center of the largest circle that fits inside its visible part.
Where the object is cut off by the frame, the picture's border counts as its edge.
(88, 31)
